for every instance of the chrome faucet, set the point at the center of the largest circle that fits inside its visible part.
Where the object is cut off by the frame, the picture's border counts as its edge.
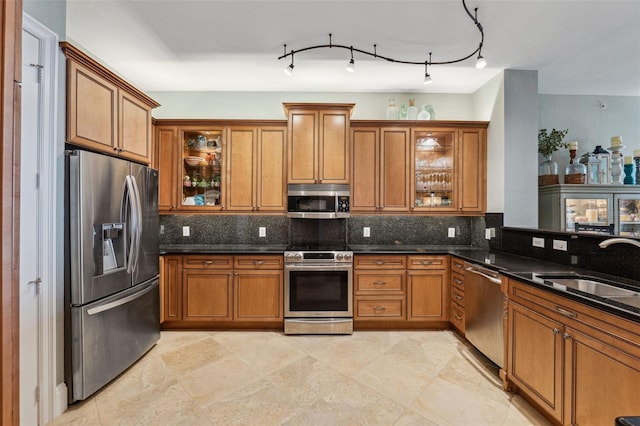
(606, 243)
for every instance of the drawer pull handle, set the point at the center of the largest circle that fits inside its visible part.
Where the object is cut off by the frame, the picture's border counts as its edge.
(427, 262)
(379, 262)
(458, 265)
(458, 281)
(459, 297)
(565, 312)
(457, 317)
(207, 262)
(379, 309)
(258, 262)
(379, 283)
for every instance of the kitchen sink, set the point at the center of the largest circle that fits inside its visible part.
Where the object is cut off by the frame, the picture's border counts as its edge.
(592, 286)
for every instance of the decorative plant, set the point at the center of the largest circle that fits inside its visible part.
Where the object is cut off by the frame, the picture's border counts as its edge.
(548, 143)
(632, 207)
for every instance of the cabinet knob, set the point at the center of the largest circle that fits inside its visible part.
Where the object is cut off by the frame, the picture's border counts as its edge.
(556, 331)
(566, 336)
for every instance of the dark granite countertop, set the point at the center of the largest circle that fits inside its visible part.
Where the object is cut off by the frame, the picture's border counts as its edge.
(513, 266)
(222, 249)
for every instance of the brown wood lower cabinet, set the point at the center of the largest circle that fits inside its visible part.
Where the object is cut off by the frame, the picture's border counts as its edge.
(457, 313)
(578, 364)
(212, 291)
(396, 291)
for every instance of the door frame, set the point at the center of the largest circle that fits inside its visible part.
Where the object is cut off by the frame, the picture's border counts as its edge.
(50, 403)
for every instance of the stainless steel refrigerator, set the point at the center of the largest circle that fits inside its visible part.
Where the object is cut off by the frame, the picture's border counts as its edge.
(112, 314)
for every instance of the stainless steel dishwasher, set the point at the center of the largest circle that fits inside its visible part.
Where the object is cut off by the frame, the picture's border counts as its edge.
(484, 307)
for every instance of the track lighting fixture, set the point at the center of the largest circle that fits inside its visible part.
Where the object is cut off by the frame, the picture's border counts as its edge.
(289, 69)
(480, 61)
(351, 65)
(427, 77)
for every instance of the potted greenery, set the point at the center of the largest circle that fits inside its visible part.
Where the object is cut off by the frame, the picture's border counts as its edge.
(548, 143)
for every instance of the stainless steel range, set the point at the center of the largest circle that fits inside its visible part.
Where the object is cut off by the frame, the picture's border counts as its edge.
(318, 293)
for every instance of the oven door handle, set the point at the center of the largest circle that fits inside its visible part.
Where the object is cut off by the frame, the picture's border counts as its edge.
(319, 267)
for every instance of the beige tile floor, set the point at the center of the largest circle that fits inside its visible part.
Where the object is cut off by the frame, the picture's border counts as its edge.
(267, 378)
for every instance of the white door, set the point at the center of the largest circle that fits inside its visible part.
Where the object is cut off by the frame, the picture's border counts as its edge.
(30, 262)
(41, 398)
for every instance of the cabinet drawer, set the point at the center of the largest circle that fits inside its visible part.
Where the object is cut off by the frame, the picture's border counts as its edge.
(376, 282)
(375, 307)
(197, 261)
(379, 262)
(457, 317)
(427, 262)
(457, 265)
(258, 262)
(457, 280)
(457, 296)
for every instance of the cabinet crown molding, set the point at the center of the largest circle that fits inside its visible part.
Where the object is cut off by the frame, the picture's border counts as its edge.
(75, 54)
(315, 106)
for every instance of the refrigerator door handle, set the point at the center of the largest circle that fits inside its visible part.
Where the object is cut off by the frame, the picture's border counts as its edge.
(138, 214)
(130, 199)
(116, 303)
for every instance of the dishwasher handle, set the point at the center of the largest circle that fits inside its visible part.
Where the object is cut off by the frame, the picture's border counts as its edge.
(478, 271)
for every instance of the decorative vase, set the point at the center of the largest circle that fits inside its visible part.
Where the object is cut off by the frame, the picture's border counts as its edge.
(432, 113)
(629, 177)
(548, 172)
(424, 114)
(402, 113)
(392, 110)
(412, 111)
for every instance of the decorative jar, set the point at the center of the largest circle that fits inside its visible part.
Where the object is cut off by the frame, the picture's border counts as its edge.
(603, 156)
(548, 172)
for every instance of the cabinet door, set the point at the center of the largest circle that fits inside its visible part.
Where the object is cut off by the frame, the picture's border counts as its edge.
(365, 177)
(134, 129)
(334, 150)
(471, 169)
(271, 173)
(165, 160)
(92, 105)
(427, 295)
(535, 357)
(258, 295)
(171, 288)
(241, 185)
(207, 295)
(394, 170)
(601, 379)
(303, 146)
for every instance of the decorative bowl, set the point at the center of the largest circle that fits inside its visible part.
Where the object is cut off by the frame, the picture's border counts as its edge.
(193, 160)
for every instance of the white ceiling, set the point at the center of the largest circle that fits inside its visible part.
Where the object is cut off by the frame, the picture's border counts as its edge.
(578, 47)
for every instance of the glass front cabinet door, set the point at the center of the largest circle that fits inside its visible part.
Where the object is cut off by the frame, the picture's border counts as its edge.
(628, 214)
(202, 162)
(434, 180)
(587, 210)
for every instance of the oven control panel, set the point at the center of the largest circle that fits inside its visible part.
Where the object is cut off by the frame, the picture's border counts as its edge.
(318, 256)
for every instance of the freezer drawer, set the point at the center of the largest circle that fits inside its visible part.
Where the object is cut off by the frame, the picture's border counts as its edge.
(110, 335)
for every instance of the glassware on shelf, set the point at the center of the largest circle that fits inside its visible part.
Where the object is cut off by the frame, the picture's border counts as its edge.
(412, 111)
(424, 114)
(392, 110)
(574, 172)
(202, 152)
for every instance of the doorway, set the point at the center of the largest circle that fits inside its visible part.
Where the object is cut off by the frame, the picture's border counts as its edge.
(37, 292)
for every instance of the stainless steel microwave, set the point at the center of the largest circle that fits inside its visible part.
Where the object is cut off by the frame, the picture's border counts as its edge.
(318, 201)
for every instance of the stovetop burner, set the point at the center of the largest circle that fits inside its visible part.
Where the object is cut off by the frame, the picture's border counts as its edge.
(335, 247)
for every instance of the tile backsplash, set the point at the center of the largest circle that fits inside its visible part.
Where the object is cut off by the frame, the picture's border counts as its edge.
(384, 230)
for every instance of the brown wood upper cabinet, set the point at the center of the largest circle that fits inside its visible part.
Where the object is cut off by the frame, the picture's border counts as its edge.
(439, 168)
(104, 112)
(319, 148)
(256, 168)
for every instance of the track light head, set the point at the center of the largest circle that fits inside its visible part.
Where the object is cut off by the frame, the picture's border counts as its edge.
(427, 79)
(351, 66)
(480, 62)
(289, 69)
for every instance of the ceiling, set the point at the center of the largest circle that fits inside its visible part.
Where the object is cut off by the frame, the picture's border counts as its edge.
(578, 47)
